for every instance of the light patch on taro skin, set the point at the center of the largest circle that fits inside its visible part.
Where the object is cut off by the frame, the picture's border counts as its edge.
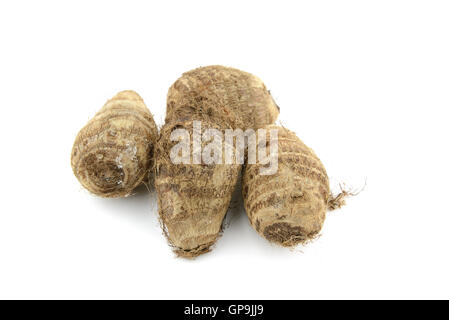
(118, 161)
(131, 150)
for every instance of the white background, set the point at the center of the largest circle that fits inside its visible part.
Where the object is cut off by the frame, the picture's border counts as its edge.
(364, 83)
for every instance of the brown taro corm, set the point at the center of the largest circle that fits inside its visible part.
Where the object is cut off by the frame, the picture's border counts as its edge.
(113, 153)
(288, 207)
(194, 198)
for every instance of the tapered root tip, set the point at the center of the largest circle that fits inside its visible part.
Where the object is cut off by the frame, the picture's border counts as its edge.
(286, 235)
(195, 252)
(127, 95)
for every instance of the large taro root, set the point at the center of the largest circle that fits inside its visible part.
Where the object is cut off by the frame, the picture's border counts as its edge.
(192, 198)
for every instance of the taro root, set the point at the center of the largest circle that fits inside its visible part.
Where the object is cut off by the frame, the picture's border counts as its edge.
(192, 198)
(288, 207)
(113, 153)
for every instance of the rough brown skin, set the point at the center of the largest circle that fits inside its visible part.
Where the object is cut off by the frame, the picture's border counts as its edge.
(113, 153)
(218, 87)
(192, 198)
(289, 207)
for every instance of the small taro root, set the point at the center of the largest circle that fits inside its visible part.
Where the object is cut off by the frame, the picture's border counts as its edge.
(288, 207)
(113, 153)
(218, 87)
(192, 198)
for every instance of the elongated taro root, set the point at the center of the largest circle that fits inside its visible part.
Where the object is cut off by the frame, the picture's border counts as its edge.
(212, 87)
(192, 198)
(113, 153)
(288, 207)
